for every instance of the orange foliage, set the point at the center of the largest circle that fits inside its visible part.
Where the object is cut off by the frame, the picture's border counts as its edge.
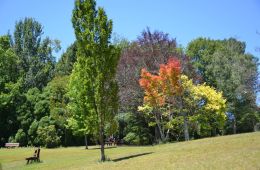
(158, 87)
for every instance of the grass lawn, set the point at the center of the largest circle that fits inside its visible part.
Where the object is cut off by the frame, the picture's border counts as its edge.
(228, 152)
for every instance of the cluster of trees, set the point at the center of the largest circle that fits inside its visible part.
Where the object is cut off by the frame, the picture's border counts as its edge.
(33, 88)
(133, 90)
(174, 103)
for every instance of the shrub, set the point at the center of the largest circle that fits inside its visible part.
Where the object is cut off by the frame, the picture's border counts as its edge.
(20, 137)
(48, 136)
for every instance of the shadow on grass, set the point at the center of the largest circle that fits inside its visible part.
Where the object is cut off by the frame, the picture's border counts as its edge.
(33, 163)
(131, 156)
(0, 166)
(109, 147)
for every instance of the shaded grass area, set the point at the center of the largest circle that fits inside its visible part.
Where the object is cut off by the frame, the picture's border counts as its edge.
(228, 152)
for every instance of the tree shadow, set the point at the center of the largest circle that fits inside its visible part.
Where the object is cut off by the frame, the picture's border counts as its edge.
(0, 166)
(109, 147)
(131, 156)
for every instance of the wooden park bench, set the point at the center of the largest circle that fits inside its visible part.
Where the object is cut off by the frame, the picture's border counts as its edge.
(35, 157)
(111, 142)
(11, 145)
(108, 143)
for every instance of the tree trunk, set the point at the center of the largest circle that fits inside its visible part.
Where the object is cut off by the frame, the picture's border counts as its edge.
(214, 132)
(234, 126)
(157, 134)
(160, 128)
(65, 137)
(167, 135)
(101, 138)
(185, 117)
(86, 141)
(186, 128)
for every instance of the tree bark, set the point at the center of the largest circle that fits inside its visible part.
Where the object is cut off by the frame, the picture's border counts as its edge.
(86, 141)
(186, 128)
(234, 126)
(101, 138)
(160, 128)
(65, 137)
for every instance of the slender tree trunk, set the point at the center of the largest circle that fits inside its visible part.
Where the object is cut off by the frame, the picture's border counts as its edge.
(157, 134)
(186, 128)
(234, 126)
(160, 128)
(254, 126)
(167, 134)
(65, 136)
(86, 141)
(101, 138)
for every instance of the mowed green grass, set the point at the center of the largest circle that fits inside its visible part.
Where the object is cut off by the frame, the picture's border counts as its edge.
(228, 152)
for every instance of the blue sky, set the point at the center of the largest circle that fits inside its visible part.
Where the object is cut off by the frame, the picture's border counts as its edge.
(184, 20)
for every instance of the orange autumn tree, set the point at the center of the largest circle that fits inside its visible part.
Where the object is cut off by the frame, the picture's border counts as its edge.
(161, 90)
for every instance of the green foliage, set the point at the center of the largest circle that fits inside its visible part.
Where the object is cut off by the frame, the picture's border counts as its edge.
(137, 131)
(67, 60)
(10, 95)
(36, 62)
(32, 133)
(250, 121)
(204, 107)
(111, 127)
(48, 136)
(93, 88)
(20, 137)
(224, 65)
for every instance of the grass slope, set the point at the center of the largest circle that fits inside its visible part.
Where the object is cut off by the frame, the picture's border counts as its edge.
(227, 152)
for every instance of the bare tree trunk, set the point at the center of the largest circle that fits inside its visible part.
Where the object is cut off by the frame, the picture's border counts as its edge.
(160, 128)
(65, 137)
(186, 128)
(185, 117)
(234, 126)
(167, 135)
(213, 132)
(101, 137)
(86, 141)
(157, 134)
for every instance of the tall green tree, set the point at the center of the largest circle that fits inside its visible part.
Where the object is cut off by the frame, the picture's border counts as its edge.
(67, 60)
(36, 60)
(92, 85)
(224, 65)
(10, 95)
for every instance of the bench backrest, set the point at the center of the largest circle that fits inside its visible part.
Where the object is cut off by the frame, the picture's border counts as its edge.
(12, 144)
(38, 153)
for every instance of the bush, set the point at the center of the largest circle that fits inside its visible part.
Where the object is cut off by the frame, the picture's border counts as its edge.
(20, 137)
(48, 136)
(135, 129)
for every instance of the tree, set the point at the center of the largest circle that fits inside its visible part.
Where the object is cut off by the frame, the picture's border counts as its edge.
(92, 85)
(66, 62)
(133, 129)
(20, 137)
(224, 65)
(48, 136)
(58, 99)
(169, 95)
(149, 51)
(10, 95)
(159, 88)
(36, 61)
(204, 106)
